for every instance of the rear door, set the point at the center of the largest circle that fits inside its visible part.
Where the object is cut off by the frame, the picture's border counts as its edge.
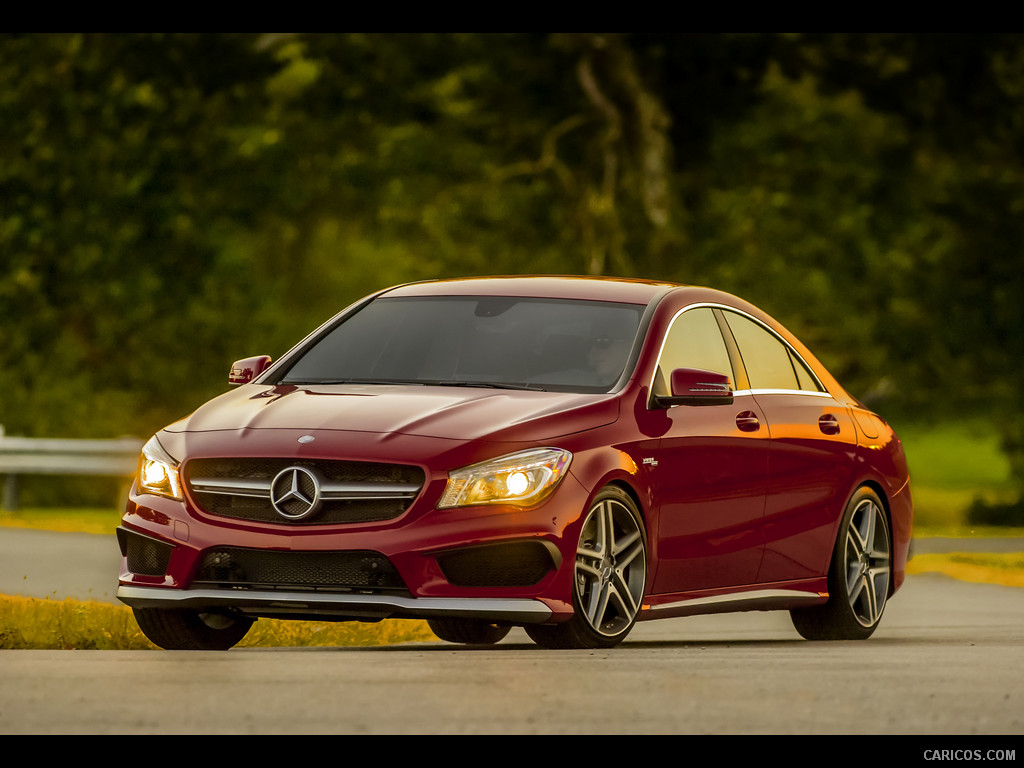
(810, 466)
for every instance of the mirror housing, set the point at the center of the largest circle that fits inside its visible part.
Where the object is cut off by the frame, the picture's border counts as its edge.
(694, 386)
(244, 371)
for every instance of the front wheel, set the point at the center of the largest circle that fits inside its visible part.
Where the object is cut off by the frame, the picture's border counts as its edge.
(609, 578)
(858, 578)
(177, 629)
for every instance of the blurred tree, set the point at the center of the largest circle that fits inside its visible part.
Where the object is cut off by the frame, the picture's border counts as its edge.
(169, 202)
(112, 164)
(797, 210)
(960, 339)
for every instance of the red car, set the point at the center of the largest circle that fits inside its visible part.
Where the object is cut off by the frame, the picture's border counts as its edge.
(569, 455)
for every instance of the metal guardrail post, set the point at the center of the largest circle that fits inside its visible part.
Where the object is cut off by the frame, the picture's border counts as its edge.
(9, 501)
(9, 498)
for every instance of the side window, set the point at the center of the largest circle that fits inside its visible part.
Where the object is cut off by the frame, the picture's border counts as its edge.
(769, 362)
(807, 381)
(693, 341)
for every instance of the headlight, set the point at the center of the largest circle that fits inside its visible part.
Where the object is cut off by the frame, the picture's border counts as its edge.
(158, 472)
(521, 479)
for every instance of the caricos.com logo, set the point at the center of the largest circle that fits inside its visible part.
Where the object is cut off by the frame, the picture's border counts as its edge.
(970, 754)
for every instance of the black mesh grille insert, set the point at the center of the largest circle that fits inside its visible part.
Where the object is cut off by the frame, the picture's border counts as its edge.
(270, 569)
(516, 564)
(241, 489)
(146, 556)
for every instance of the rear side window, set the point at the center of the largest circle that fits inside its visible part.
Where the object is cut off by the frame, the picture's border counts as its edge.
(769, 362)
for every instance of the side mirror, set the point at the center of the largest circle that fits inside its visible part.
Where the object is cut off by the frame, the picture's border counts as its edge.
(693, 386)
(244, 371)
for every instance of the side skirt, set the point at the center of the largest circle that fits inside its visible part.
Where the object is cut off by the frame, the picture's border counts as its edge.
(753, 597)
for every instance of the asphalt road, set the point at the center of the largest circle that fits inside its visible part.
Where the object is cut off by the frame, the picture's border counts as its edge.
(948, 660)
(58, 565)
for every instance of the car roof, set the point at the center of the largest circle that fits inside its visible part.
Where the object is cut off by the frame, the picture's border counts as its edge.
(618, 289)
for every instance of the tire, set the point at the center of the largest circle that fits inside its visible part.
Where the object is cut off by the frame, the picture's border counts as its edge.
(467, 631)
(858, 578)
(609, 577)
(187, 630)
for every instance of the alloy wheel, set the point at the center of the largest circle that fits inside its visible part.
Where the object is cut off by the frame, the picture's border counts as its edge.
(867, 562)
(611, 567)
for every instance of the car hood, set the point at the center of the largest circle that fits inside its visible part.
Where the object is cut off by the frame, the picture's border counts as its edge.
(462, 414)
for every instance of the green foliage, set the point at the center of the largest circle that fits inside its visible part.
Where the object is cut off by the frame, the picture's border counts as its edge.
(789, 218)
(1007, 514)
(955, 467)
(172, 202)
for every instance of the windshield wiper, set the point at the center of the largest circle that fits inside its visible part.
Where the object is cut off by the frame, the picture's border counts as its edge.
(488, 384)
(354, 381)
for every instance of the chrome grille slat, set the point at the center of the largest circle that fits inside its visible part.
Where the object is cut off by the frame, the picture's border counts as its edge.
(349, 491)
(261, 490)
(228, 486)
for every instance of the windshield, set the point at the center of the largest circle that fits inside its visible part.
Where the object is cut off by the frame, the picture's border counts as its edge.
(547, 344)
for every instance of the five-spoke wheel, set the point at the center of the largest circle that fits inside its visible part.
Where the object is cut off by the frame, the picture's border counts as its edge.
(609, 578)
(867, 562)
(859, 576)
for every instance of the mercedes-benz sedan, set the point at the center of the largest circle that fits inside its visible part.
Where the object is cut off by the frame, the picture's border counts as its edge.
(569, 455)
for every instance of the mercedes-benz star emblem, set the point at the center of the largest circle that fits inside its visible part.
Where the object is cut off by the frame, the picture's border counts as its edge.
(295, 493)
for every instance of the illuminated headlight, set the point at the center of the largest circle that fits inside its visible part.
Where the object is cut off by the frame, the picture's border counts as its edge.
(158, 472)
(520, 479)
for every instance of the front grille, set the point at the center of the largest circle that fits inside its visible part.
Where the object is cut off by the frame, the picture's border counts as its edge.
(345, 491)
(513, 564)
(235, 567)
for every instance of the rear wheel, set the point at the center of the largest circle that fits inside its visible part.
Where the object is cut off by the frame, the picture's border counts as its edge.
(176, 629)
(858, 579)
(609, 579)
(467, 631)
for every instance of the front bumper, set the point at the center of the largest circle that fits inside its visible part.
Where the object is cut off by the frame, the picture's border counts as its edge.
(335, 607)
(480, 563)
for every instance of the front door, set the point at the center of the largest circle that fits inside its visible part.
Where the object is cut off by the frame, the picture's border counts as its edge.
(709, 470)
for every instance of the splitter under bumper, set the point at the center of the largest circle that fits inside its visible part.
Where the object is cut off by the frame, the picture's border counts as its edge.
(333, 606)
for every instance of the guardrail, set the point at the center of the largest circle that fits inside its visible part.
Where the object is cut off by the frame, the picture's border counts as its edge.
(59, 456)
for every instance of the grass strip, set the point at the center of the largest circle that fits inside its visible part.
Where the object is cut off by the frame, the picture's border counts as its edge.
(89, 520)
(32, 623)
(1006, 568)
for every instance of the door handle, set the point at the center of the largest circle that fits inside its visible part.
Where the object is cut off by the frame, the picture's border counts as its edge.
(747, 421)
(829, 424)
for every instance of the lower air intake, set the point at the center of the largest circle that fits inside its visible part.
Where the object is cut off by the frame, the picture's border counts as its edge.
(145, 556)
(515, 564)
(328, 571)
